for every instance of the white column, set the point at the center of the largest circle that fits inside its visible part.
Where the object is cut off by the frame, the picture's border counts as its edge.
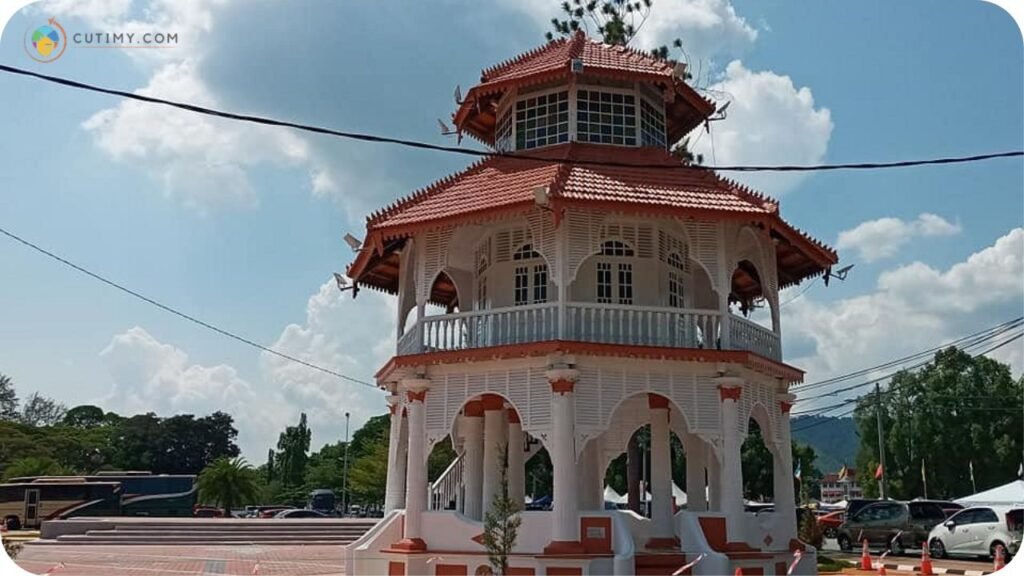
(403, 460)
(395, 482)
(473, 468)
(696, 497)
(516, 466)
(714, 469)
(565, 529)
(785, 499)
(495, 429)
(730, 389)
(662, 531)
(416, 469)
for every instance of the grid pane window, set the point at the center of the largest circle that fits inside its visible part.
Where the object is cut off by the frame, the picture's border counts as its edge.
(540, 283)
(522, 288)
(503, 133)
(604, 282)
(616, 248)
(606, 117)
(625, 283)
(652, 125)
(542, 120)
(675, 290)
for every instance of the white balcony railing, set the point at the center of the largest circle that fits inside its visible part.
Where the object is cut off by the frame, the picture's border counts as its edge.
(588, 322)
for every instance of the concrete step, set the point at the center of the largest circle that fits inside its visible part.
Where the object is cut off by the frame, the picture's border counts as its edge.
(148, 542)
(206, 533)
(651, 564)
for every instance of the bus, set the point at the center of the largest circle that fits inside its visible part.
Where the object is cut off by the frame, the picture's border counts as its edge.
(141, 493)
(28, 504)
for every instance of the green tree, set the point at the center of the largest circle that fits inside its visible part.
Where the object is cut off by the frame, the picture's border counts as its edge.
(33, 466)
(38, 410)
(368, 476)
(84, 417)
(955, 411)
(501, 522)
(229, 483)
(758, 468)
(293, 453)
(8, 399)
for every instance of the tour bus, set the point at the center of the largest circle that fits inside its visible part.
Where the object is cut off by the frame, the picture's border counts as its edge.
(28, 504)
(140, 493)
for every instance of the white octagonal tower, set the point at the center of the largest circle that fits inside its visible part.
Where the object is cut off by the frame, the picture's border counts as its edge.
(567, 299)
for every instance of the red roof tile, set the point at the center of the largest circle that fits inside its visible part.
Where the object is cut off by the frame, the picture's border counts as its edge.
(507, 183)
(558, 54)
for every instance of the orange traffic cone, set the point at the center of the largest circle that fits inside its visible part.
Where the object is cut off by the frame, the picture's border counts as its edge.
(739, 572)
(865, 557)
(1000, 560)
(926, 561)
(881, 564)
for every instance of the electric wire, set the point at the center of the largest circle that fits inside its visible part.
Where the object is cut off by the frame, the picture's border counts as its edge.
(181, 314)
(365, 137)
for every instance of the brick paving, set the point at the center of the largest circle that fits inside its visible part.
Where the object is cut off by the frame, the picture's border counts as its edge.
(233, 560)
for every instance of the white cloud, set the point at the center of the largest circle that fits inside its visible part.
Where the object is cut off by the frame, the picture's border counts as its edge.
(913, 308)
(150, 376)
(882, 238)
(770, 121)
(153, 376)
(202, 161)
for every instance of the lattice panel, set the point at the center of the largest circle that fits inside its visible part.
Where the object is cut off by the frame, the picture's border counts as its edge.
(526, 389)
(539, 405)
(639, 236)
(545, 240)
(669, 243)
(508, 241)
(584, 231)
(755, 393)
(435, 252)
(704, 241)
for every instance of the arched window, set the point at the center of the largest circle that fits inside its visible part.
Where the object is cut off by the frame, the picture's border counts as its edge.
(614, 275)
(531, 276)
(676, 269)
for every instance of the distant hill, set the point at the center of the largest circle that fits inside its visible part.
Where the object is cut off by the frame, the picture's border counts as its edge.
(834, 440)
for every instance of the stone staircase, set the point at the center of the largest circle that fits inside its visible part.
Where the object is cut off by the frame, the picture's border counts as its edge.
(203, 531)
(658, 563)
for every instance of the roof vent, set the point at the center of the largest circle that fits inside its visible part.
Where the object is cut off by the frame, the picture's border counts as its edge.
(576, 65)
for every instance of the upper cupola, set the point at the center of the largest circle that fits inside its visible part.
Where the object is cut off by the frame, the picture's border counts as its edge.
(578, 90)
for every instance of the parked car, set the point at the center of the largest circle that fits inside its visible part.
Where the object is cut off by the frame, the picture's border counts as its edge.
(977, 532)
(854, 505)
(207, 512)
(897, 526)
(273, 511)
(830, 522)
(299, 513)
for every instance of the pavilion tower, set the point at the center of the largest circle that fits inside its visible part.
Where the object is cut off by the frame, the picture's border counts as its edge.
(566, 293)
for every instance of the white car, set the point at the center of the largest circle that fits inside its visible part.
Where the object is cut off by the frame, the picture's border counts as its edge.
(978, 531)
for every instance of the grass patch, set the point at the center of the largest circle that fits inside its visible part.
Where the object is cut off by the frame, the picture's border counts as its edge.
(827, 564)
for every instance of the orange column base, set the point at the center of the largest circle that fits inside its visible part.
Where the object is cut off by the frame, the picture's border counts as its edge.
(663, 543)
(410, 545)
(564, 548)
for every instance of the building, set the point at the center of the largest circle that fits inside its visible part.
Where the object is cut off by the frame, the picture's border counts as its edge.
(565, 294)
(840, 486)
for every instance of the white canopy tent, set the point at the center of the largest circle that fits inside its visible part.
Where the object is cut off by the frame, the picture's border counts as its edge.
(1005, 495)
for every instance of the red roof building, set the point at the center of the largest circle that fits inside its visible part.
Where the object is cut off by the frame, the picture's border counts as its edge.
(578, 284)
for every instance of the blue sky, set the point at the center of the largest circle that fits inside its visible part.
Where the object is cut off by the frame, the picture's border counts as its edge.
(242, 226)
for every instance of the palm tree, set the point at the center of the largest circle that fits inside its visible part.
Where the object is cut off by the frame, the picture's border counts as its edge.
(228, 482)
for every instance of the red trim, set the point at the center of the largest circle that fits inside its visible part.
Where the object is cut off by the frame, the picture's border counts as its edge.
(492, 402)
(451, 570)
(785, 406)
(420, 396)
(408, 545)
(396, 568)
(657, 402)
(730, 392)
(663, 543)
(513, 417)
(473, 409)
(750, 360)
(602, 545)
(564, 548)
(562, 386)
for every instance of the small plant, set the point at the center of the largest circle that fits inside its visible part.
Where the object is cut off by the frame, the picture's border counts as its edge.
(501, 523)
(810, 532)
(12, 549)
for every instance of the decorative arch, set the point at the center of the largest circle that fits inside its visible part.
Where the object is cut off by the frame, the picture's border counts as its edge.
(636, 413)
(444, 290)
(759, 413)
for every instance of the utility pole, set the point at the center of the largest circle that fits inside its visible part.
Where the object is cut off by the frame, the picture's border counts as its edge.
(344, 481)
(882, 492)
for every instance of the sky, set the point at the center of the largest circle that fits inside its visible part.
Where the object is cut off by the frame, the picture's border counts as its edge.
(242, 225)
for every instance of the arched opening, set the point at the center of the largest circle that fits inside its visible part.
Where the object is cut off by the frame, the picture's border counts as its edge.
(607, 277)
(747, 296)
(627, 478)
(443, 297)
(758, 464)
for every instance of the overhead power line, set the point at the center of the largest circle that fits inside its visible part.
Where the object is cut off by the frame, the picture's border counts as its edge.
(364, 137)
(181, 314)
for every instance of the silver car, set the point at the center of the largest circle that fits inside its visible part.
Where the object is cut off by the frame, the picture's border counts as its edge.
(978, 531)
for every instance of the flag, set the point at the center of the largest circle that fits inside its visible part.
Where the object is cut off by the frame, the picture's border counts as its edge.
(1020, 471)
(970, 465)
(923, 477)
(796, 474)
(878, 472)
(844, 473)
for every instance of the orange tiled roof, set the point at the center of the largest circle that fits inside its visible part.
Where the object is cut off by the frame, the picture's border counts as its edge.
(503, 182)
(596, 56)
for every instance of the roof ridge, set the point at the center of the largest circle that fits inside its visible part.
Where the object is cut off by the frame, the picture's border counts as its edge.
(522, 57)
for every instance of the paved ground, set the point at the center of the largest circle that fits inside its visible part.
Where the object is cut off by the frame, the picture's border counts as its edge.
(84, 560)
(967, 567)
